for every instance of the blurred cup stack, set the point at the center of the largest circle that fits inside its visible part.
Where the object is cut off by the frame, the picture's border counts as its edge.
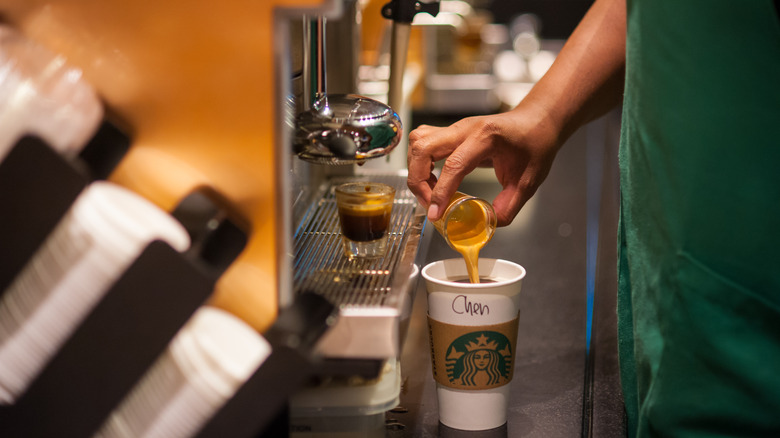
(103, 232)
(204, 365)
(41, 94)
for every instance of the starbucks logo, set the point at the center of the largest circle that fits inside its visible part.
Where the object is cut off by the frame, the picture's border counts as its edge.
(479, 359)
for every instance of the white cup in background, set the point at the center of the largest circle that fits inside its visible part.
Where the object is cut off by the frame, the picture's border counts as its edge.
(103, 232)
(473, 331)
(41, 94)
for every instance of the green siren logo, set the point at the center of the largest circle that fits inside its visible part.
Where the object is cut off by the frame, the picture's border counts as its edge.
(479, 360)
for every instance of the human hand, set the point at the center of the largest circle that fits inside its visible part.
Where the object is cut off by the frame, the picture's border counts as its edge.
(520, 145)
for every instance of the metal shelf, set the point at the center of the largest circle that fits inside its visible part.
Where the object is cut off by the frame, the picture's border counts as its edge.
(374, 296)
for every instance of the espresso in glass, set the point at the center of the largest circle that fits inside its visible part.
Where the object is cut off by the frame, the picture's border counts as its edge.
(364, 210)
(365, 225)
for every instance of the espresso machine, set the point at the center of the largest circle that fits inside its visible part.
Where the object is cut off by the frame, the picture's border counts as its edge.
(238, 119)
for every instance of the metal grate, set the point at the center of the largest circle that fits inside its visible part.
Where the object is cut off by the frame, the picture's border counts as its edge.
(321, 266)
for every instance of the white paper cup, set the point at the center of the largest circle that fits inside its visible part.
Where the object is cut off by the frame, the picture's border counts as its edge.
(473, 333)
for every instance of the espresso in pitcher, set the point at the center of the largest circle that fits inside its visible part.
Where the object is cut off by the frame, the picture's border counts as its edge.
(468, 223)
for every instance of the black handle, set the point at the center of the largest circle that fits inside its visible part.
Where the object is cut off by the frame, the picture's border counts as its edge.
(403, 11)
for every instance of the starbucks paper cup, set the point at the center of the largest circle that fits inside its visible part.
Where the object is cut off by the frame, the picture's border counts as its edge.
(473, 334)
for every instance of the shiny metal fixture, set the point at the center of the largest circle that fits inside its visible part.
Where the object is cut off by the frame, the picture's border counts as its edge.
(346, 128)
(343, 128)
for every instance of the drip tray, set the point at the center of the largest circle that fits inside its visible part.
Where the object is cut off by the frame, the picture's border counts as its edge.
(374, 296)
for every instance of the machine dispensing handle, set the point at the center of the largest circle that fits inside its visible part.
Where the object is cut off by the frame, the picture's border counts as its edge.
(402, 13)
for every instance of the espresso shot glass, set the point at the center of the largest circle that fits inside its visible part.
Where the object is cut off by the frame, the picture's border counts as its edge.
(364, 213)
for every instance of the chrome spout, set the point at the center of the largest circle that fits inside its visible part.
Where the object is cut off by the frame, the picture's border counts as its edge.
(343, 128)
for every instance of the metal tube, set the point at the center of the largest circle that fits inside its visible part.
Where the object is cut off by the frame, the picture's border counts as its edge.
(399, 45)
(320, 54)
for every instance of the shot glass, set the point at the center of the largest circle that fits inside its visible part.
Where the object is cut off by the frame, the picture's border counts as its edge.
(473, 333)
(364, 213)
(467, 220)
(467, 225)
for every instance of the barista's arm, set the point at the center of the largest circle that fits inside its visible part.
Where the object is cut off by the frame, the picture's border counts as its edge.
(585, 81)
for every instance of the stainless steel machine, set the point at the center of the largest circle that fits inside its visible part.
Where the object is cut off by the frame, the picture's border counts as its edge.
(227, 104)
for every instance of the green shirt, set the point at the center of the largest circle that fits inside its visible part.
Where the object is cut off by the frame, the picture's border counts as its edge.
(699, 256)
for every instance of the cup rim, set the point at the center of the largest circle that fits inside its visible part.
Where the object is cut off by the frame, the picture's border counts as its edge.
(495, 284)
(387, 190)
